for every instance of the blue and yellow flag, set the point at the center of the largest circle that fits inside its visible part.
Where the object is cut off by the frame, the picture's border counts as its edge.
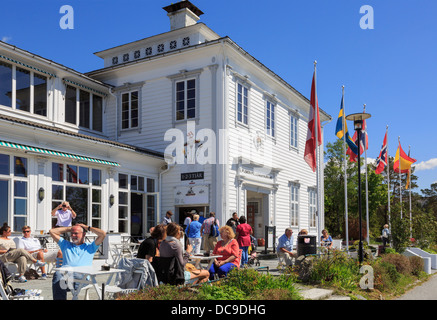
(340, 131)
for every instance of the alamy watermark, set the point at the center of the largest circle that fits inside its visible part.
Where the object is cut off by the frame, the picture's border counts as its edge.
(67, 20)
(367, 21)
(205, 146)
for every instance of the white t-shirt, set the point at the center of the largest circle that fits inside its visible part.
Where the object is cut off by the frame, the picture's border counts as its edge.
(29, 244)
(64, 218)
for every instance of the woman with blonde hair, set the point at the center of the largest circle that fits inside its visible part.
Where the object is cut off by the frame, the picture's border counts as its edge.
(229, 251)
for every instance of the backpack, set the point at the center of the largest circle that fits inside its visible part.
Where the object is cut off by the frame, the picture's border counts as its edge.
(214, 232)
(31, 274)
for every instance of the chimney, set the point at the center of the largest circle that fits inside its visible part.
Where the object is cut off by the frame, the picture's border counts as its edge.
(182, 14)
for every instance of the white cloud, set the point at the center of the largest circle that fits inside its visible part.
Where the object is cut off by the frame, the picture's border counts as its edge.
(426, 165)
(6, 38)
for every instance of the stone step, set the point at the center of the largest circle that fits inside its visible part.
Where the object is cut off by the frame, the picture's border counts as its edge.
(316, 294)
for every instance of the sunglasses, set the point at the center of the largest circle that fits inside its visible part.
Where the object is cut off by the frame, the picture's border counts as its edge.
(26, 231)
(64, 205)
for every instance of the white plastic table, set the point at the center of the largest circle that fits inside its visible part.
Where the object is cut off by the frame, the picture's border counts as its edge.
(198, 258)
(86, 276)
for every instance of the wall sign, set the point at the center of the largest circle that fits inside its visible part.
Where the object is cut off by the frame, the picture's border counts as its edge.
(191, 194)
(192, 176)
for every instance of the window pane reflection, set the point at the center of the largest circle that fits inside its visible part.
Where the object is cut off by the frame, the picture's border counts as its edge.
(23, 89)
(4, 164)
(40, 95)
(20, 168)
(5, 84)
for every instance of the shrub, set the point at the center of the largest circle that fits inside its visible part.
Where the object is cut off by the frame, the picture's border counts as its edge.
(416, 264)
(401, 262)
(337, 269)
(386, 275)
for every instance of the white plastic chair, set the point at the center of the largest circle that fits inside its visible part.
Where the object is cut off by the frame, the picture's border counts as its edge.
(51, 246)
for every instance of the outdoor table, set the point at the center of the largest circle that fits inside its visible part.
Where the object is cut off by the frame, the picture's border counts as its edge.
(86, 276)
(198, 258)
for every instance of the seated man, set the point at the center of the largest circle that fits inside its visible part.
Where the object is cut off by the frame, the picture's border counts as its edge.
(75, 253)
(285, 248)
(33, 246)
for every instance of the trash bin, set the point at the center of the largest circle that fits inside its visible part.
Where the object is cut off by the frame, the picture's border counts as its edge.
(306, 245)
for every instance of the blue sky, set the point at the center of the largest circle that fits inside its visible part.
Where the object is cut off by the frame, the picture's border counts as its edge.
(391, 68)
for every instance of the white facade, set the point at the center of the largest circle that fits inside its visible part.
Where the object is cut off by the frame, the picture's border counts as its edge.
(189, 91)
(257, 171)
(54, 147)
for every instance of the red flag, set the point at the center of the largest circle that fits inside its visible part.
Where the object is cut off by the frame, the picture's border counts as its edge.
(404, 160)
(310, 145)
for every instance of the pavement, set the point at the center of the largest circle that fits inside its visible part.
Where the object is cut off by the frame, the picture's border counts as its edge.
(268, 263)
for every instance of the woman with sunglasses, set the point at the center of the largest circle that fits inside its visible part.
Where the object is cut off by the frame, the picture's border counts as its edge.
(65, 214)
(9, 253)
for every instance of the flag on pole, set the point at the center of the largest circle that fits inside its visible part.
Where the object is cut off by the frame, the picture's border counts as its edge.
(381, 162)
(402, 161)
(340, 131)
(364, 145)
(407, 185)
(310, 145)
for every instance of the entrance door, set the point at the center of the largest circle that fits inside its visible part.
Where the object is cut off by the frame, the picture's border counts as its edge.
(136, 216)
(252, 211)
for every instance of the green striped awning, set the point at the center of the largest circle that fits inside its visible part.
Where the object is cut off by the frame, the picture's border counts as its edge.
(27, 66)
(55, 153)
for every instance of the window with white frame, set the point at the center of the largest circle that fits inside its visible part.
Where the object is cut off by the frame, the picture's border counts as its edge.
(22, 89)
(270, 119)
(133, 185)
(312, 196)
(130, 110)
(83, 108)
(185, 99)
(14, 192)
(293, 131)
(82, 188)
(242, 104)
(294, 204)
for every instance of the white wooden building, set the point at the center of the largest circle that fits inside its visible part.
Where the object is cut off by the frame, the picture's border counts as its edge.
(235, 129)
(182, 120)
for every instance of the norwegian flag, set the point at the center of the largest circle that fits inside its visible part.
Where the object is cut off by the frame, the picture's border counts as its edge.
(381, 162)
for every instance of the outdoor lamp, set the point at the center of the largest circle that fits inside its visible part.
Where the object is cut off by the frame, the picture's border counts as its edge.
(358, 118)
(111, 200)
(41, 194)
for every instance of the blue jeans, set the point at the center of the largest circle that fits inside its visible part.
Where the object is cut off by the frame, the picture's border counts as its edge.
(244, 256)
(221, 271)
(60, 286)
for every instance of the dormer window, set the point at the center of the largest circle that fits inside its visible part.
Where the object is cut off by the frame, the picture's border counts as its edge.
(83, 108)
(22, 89)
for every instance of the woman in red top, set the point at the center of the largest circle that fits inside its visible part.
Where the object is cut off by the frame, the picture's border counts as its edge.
(229, 251)
(244, 231)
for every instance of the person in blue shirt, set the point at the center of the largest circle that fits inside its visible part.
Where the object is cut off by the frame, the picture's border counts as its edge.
(285, 248)
(326, 239)
(193, 233)
(76, 253)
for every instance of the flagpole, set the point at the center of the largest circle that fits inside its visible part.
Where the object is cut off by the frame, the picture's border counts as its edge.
(367, 189)
(400, 181)
(316, 103)
(409, 186)
(388, 181)
(345, 173)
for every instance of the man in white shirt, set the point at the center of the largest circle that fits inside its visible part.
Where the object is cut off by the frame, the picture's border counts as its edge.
(65, 214)
(33, 246)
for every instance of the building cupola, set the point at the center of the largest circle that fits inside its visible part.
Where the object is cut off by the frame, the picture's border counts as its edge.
(182, 14)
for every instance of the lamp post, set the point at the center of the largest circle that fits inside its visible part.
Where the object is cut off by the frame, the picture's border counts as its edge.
(358, 118)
